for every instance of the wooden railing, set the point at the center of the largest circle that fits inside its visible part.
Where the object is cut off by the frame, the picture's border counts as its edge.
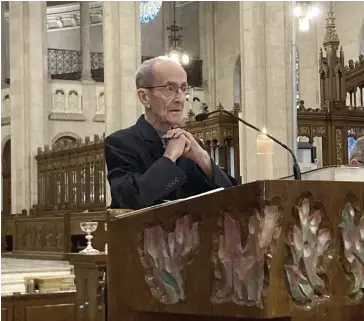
(355, 81)
(72, 176)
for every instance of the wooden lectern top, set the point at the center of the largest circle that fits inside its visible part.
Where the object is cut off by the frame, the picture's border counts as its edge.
(268, 249)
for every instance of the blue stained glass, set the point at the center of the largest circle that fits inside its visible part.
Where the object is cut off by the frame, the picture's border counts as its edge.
(351, 142)
(149, 10)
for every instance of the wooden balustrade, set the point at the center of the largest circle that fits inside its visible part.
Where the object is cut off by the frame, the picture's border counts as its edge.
(355, 81)
(71, 176)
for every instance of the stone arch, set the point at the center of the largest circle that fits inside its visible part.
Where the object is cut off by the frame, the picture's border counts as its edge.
(5, 140)
(65, 136)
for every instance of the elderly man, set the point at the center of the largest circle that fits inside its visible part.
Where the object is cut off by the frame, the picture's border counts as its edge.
(154, 160)
(357, 154)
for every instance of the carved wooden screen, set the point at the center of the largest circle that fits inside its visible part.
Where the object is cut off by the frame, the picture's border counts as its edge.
(72, 176)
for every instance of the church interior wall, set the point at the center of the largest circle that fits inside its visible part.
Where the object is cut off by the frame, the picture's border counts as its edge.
(86, 107)
(309, 43)
(57, 129)
(154, 35)
(70, 39)
(350, 33)
(227, 50)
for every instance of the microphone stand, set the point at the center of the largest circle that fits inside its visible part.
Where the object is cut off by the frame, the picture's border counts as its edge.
(296, 167)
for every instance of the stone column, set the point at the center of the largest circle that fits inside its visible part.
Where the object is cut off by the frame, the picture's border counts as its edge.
(307, 49)
(121, 59)
(85, 40)
(4, 46)
(265, 80)
(208, 51)
(28, 92)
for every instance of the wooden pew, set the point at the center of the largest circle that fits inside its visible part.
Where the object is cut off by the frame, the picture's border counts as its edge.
(50, 236)
(236, 254)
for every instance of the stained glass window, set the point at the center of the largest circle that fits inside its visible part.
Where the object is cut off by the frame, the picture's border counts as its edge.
(351, 142)
(149, 10)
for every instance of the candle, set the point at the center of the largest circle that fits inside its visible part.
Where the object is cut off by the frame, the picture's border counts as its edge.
(264, 143)
(265, 155)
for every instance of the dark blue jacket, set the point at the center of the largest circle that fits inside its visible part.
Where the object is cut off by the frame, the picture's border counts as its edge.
(140, 176)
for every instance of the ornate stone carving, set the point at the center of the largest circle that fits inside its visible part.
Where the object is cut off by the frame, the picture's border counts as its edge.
(319, 131)
(352, 256)
(330, 35)
(310, 252)
(68, 15)
(243, 246)
(164, 253)
(304, 131)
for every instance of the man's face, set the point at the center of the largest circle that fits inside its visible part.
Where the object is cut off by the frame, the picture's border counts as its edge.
(166, 102)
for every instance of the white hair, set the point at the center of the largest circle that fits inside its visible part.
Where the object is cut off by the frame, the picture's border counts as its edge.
(144, 74)
(358, 150)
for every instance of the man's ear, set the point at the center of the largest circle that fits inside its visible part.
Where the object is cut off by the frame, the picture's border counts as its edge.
(143, 97)
(354, 162)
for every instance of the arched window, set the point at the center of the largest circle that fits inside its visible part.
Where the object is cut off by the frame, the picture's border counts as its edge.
(149, 10)
(64, 140)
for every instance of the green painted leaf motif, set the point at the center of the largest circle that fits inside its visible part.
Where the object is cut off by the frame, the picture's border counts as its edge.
(170, 280)
(348, 220)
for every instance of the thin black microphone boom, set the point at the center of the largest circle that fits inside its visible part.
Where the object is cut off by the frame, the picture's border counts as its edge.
(296, 167)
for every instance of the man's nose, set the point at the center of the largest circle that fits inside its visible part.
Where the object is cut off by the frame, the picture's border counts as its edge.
(179, 92)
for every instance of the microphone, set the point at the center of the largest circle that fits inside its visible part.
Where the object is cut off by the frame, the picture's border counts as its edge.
(296, 167)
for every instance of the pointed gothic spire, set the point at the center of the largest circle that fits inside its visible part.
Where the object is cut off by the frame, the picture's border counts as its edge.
(331, 36)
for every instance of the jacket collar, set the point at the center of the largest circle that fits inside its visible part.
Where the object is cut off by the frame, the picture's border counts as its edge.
(147, 131)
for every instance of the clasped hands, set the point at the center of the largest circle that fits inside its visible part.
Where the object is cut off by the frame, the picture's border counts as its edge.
(181, 142)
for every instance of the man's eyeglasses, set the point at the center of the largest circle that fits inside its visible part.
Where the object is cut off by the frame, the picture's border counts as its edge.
(171, 89)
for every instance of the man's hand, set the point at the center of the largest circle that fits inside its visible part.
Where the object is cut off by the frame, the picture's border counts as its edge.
(176, 147)
(195, 152)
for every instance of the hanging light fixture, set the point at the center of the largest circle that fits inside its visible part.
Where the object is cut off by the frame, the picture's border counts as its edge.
(305, 11)
(175, 52)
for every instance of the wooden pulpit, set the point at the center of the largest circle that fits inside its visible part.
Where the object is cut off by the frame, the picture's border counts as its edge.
(284, 250)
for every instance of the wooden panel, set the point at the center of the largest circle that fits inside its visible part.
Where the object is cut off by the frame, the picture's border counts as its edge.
(6, 314)
(39, 307)
(135, 285)
(61, 312)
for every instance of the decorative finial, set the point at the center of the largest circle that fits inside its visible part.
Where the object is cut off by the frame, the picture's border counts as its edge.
(330, 35)
(220, 106)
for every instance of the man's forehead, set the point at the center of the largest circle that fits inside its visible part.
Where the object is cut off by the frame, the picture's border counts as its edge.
(169, 71)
